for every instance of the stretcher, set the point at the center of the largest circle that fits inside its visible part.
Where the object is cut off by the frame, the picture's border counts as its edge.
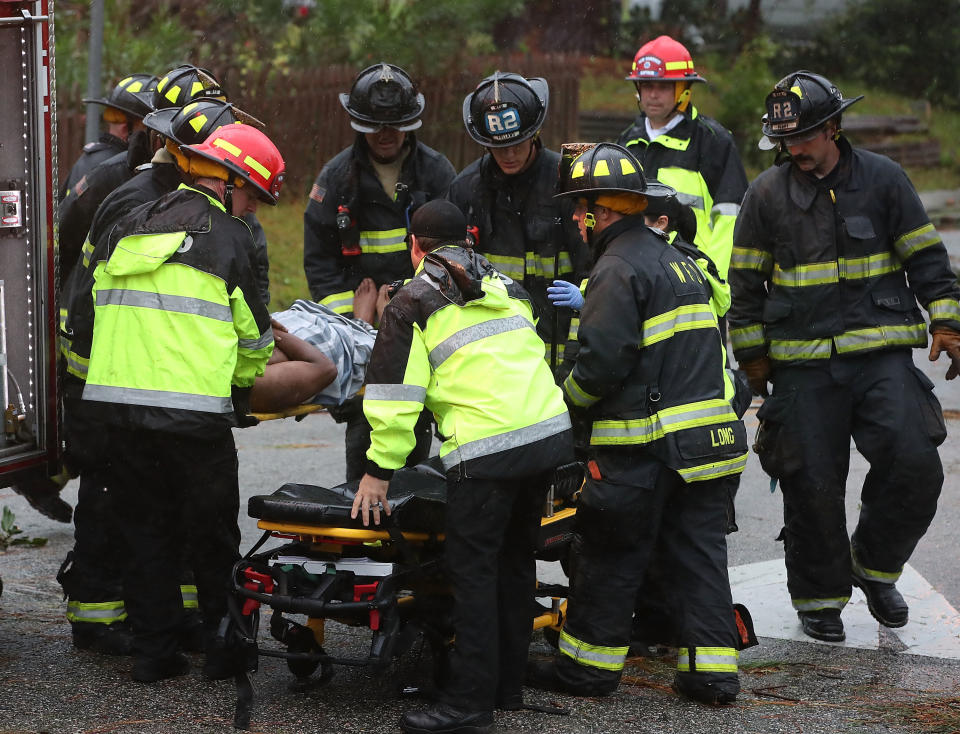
(387, 579)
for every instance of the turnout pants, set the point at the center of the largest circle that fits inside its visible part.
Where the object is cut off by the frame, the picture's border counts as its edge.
(173, 492)
(491, 535)
(887, 405)
(635, 503)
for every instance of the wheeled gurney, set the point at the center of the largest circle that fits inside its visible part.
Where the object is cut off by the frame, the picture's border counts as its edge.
(385, 578)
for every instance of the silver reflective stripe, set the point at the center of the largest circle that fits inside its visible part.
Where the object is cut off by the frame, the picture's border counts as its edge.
(440, 353)
(77, 367)
(264, 341)
(692, 201)
(508, 440)
(157, 398)
(596, 656)
(727, 209)
(164, 302)
(406, 393)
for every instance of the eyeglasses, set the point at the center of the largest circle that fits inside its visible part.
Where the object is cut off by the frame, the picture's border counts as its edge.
(801, 138)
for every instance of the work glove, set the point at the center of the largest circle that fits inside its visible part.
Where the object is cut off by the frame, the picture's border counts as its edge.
(563, 293)
(947, 340)
(758, 373)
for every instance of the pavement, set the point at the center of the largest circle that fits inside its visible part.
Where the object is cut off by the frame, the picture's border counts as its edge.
(879, 680)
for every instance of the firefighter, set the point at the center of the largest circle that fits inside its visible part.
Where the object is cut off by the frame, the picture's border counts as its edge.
(92, 572)
(507, 197)
(683, 148)
(79, 207)
(460, 338)
(124, 106)
(176, 334)
(833, 251)
(665, 441)
(359, 211)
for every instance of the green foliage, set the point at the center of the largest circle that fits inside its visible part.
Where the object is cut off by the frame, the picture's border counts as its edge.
(253, 36)
(742, 92)
(9, 532)
(909, 46)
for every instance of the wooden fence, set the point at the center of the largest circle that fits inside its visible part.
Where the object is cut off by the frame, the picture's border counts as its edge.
(304, 117)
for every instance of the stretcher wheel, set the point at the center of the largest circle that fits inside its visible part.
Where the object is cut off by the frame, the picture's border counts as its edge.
(303, 669)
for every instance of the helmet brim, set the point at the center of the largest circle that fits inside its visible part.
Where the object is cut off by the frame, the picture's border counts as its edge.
(261, 193)
(694, 78)
(148, 102)
(591, 192)
(161, 121)
(368, 124)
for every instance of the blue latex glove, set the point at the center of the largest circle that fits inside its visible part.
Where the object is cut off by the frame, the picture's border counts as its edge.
(562, 293)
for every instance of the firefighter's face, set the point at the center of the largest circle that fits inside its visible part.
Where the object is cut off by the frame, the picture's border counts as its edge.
(580, 217)
(244, 201)
(817, 154)
(514, 159)
(385, 144)
(658, 100)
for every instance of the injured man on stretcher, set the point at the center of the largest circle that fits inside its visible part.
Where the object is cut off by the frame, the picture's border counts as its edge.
(319, 356)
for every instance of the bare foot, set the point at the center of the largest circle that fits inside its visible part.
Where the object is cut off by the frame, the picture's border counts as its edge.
(383, 298)
(365, 301)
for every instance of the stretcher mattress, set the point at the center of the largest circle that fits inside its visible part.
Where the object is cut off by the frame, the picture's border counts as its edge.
(417, 499)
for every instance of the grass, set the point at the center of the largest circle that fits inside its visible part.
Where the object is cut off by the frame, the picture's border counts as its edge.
(283, 225)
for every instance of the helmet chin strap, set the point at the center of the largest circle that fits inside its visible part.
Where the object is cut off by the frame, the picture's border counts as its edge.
(228, 198)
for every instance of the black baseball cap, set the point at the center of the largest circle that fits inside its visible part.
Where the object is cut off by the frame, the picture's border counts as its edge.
(439, 219)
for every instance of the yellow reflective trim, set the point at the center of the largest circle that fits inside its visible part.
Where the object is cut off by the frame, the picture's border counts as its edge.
(578, 171)
(135, 87)
(189, 108)
(124, 82)
(748, 258)
(674, 65)
(227, 146)
(912, 242)
(339, 302)
(747, 336)
(812, 605)
(601, 169)
(195, 89)
(173, 94)
(944, 308)
(257, 166)
(797, 91)
(162, 83)
(714, 469)
(198, 122)
(626, 166)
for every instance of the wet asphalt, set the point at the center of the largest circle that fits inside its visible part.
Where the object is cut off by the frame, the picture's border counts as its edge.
(788, 686)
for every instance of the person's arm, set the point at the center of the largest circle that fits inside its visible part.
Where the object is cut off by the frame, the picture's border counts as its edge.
(296, 372)
(727, 182)
(750, 270)
(322, 260)
(610, 333)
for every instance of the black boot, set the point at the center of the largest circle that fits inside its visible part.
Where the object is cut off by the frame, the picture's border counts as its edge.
(447, 719)
(151, 670)
(884, 601)
(104, 639)
(715, 689)
(545, 675)
(823, 624)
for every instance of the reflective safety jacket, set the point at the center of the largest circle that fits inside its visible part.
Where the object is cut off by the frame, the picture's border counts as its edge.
(699, 159)
(651, 367)
(177, 323)
(520, 227)
(459, 339)
(92, 156)
(836, 265)
(150, 182)
(381, 219)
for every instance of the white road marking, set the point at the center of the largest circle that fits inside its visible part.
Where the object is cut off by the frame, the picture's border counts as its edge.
(933, 629)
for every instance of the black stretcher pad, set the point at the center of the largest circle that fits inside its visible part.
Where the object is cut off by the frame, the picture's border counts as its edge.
(417, 499)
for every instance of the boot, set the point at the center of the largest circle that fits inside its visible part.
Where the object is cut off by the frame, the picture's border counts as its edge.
(151, 670)
(104, 639)
(885, 603)
(823, 624)
(447, 719)
(714, 689)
